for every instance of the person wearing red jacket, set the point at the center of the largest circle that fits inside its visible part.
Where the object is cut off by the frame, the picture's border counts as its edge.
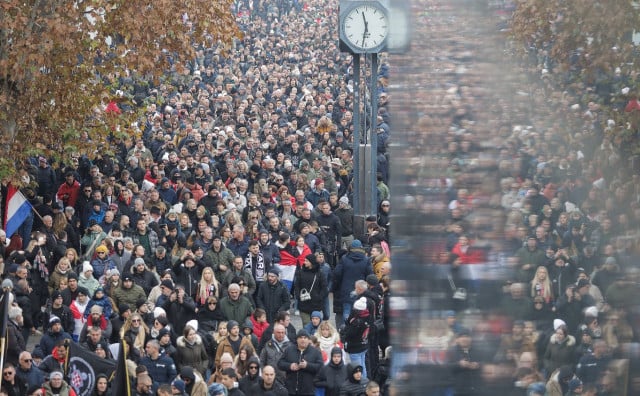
(69, 191)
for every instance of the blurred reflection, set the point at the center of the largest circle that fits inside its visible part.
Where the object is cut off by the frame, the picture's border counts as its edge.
(514, 253)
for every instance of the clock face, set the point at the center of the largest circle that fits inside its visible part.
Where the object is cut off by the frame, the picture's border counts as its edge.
(365, 27)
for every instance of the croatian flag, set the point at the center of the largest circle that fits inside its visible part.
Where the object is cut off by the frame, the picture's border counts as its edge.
(18, 209)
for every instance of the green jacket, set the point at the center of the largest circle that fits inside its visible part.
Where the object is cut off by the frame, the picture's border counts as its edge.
(238, 310)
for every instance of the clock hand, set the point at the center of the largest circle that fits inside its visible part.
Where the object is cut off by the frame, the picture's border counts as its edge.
(365, 34)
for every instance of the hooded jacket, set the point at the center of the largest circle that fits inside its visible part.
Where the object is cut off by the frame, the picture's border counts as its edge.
(312, 280)
(353, 387)
(559, 353)
(353, 266)
(248, 381)
(332, 375)
(194, 355)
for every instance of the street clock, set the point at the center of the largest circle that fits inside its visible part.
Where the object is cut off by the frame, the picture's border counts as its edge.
(364, 27)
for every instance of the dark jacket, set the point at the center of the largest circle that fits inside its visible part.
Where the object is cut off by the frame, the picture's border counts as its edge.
(192, 355)
(273, 298)
(352, 387)
(559, 353)
(331, 377)
(49, 340)
(353, 266)
(312, 280)
(162, 370)
(248, 381)
(15, 343)
(276, 390)
(179, 314)
(301, 382)
(356, 332)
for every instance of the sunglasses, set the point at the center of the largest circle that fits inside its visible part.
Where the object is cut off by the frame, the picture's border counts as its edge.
(27, 360)
(8, 373)
(135, 321)
(253, 367)
(212, 303)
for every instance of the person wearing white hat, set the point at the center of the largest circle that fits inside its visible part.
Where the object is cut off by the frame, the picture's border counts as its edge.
(355, 334)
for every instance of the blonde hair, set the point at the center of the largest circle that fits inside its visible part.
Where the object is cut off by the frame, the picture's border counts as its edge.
(139, 340)
(203, 286)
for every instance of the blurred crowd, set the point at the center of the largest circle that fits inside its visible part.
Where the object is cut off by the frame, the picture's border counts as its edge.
(520, 211)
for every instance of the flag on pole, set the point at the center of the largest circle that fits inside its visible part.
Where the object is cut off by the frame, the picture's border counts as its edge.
(121, 384)
(17, 210)
(82, 368)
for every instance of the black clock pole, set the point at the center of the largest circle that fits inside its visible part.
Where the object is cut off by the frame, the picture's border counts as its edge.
(356, 133)
(373, 137)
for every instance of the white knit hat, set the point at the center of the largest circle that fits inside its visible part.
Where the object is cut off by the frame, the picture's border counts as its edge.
(360, 304)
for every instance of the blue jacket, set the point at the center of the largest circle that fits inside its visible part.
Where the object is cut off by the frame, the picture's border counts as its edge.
(161, 370)
(352, 267)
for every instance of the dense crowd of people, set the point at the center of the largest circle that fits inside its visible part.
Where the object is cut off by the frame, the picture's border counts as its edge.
(521, 216)
(197, 238)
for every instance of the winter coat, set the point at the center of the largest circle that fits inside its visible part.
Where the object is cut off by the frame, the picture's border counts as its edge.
(225, 346)
(178, 314)
(331, 377)
(66, 390)
(271, 354)
(273, 298)
(300, 382)
(101, 266)
(146, 279)
(128, 296)
(277, 389)
(248, 381)
(352, 387)
(91, 283)
(192, 355)
(356, 332)
(238, 310)
(214, 259)
(559, 353)
(312, 280)
(15, 343)
(189, 277)
(50, 339)
(352, 267)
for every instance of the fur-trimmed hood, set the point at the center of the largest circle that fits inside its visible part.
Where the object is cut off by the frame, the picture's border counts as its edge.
(182, 342)
(569, 340)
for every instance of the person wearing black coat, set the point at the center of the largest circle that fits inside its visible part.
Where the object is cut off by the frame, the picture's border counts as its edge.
(13, 384)
(180, 309)
(308, 281)
(251, 378)
(333, 374)
(188, 273)
(356, 382)
(268, 385)
(273, 295)
(15, 341)
(301, 362)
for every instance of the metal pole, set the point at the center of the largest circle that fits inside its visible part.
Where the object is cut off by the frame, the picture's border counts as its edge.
(356, 134)
(373, 92)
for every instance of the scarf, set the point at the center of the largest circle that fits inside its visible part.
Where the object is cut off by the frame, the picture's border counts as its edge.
(326, 343)
(260, 271)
